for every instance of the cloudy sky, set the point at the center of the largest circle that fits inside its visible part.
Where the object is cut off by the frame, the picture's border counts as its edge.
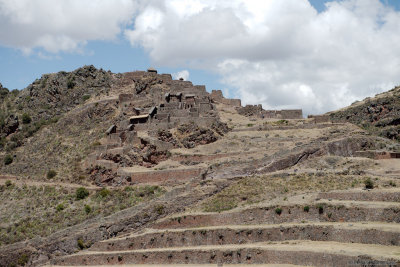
(311, 54)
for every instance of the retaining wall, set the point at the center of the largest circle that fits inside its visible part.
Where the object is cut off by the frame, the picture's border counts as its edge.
(267, 215)
(161, 176)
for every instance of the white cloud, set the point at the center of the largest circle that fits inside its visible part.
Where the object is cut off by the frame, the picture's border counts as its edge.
(181, 74)
(62, 25)
(281, 53)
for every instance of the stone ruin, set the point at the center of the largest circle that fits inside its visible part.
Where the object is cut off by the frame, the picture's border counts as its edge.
(216, 96)
(153, 103)
(258, 111)
(176, 102)
(319, 118)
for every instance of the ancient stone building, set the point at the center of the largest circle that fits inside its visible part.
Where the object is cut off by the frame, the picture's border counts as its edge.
(159, 102)
(216, 96)
(258, 111)
(319, 118)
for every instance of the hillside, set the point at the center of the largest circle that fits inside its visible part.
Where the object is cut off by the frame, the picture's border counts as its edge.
(105, 169)
(379, 115)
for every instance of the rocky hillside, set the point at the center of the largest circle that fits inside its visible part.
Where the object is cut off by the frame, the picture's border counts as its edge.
(46, 100)
(107, 169)
(380, 114)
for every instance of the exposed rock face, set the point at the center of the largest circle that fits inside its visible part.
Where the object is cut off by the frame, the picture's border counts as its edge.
(192, 135)
(380, 115)
(10, 126)
(348, 146)
(166, 136)
(220, 128)
(143, 83)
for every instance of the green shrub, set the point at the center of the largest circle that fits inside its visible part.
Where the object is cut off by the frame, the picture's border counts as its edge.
(320, 209)
(60, 207)
(85, 97)
(8, 183)
(81, 193)
(51, 174)
(88, 209)
(26, 119)
(11, 146)
(282, 122)
(81, 244)
(391, 183)
(70, 83)
(15, 92)
(159, 209)
(278, 211)
(3, 92)
(306, 208)
(17, 138)
(8, 159)
(44, 79)
(103, 193)
(23, 259)
(146, 191)
(96, 143)
(3, 142)
(369, 184)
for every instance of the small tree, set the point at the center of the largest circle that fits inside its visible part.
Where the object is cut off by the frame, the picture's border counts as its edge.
(81, 193)
(8, 159)
(320, 209)
(369, 184)
(70, 83)
(51, 174)
(26, 119)
(278, 211)
(88, 209)
(60, 207)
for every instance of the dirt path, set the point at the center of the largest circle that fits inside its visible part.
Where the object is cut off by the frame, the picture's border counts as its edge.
(21, 181)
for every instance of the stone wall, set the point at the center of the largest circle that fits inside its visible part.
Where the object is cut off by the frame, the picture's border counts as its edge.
(292, 114)
(161, 176)
(373, 154)
(319, 118)
(217, 96)
(122, 98)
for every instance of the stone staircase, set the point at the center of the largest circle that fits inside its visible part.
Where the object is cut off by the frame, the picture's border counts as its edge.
(341, 228)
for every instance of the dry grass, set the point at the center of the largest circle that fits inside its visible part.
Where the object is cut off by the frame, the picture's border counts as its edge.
(43, 210)
(255, 189)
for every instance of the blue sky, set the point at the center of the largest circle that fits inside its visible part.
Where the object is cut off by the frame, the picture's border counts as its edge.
(283, 57)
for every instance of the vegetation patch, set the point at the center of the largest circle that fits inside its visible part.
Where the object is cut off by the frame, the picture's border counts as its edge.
(369, 184)
(8, 159)
(81, 193)
(26, 119)
(254, 189)
(278, 211)
(51, 174)
(37, 218)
